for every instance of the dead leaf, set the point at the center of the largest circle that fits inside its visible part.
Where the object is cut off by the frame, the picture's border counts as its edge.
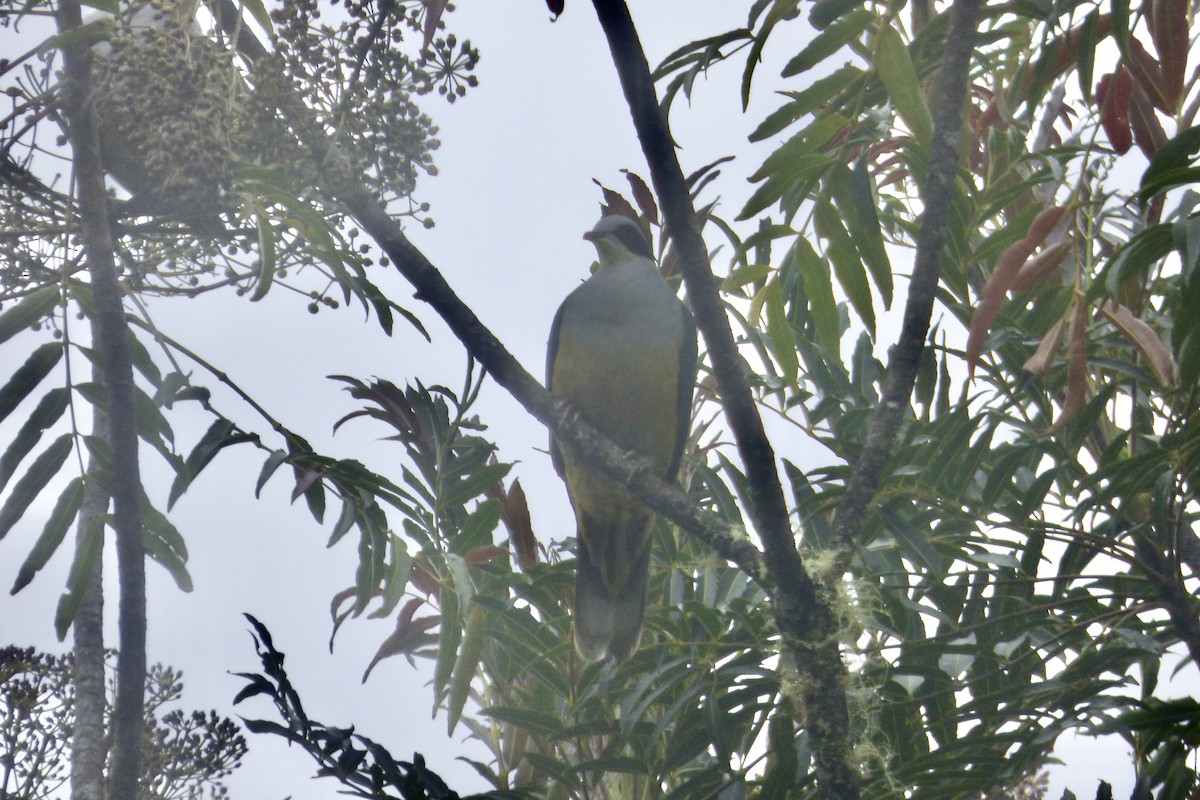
(514, 513)
(1168, 20)
(409, 638)
(1143, 338)
(1113, 95)
(1149, 74)
(1147, 130)
(1077, 363)
(433, 15)
(643, 196)
(1001, 280)
(1043, 358)
(1034, 270)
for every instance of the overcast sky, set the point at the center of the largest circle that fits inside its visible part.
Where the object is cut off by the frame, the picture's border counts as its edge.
(513, 197)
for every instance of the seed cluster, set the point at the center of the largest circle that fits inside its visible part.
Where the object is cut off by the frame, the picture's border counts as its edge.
(171, 105)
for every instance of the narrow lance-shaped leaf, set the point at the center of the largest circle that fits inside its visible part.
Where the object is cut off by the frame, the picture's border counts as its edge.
(30, 485)
(466, 665)
(1169, 29)
(895, 69)
(846, 264)
(28, 310)
(1001, 280)
(1142, 337)
(87, 551)
(53, 533)
(48, 411)
(1043, 358)
(1076, 369)
(27, 376)
(783, 345)
(829, 41)
(818, 290)
(266, 255)
(1034, 270)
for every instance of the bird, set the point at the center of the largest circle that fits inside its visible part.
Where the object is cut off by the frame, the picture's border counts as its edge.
(622, 350)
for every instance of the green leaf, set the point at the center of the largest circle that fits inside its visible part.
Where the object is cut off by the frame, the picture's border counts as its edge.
(846, 263)
(165, 545)
(895, 69)
(782, 343)
(266, 255)
(345, 521)
(48, 411)
(818, 291)
(269, 466)
(473, 485)
(826, 12)
(852, 192)
(87, 552)
(773, 189)
(803, 102)
(449, 635)
(30, 485)
(532, 720)
(396, 579)
(1087, 53)
(27, 376)
(52, 534)
(466, 665)
(1138, 254)
(220, 434)
(28, 310)
(779, 10)
(1172, 164)
(829, 41)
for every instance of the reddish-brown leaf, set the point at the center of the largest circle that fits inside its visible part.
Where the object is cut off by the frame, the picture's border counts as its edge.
(1043, 358)
(423, 577)
(1034, 270)
(1148, 132)
(483, 554)
(1042, 224)
(433, 15)
(305, 481)
(514, 513)
(992, 298)
(615, 203)
(1142, 337)
(1065, 55)
(409, 637)
(1149, 75)
(1113, 94)
(1076, 370)
(1169, 28)
(643, 196)
(1001, 280)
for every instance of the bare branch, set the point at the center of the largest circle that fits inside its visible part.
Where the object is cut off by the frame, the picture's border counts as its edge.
(112, 345)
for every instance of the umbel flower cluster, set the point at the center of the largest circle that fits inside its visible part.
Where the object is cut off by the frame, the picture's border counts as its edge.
(216, 144)
(171, 108)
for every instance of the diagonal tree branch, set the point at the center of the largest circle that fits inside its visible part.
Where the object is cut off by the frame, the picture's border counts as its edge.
(931, 239)
(111, 341)
(804, 616)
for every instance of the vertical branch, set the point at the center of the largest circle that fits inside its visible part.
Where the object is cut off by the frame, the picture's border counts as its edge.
(804, 617)
(111, 340)
(931, 239)
(87, 735)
